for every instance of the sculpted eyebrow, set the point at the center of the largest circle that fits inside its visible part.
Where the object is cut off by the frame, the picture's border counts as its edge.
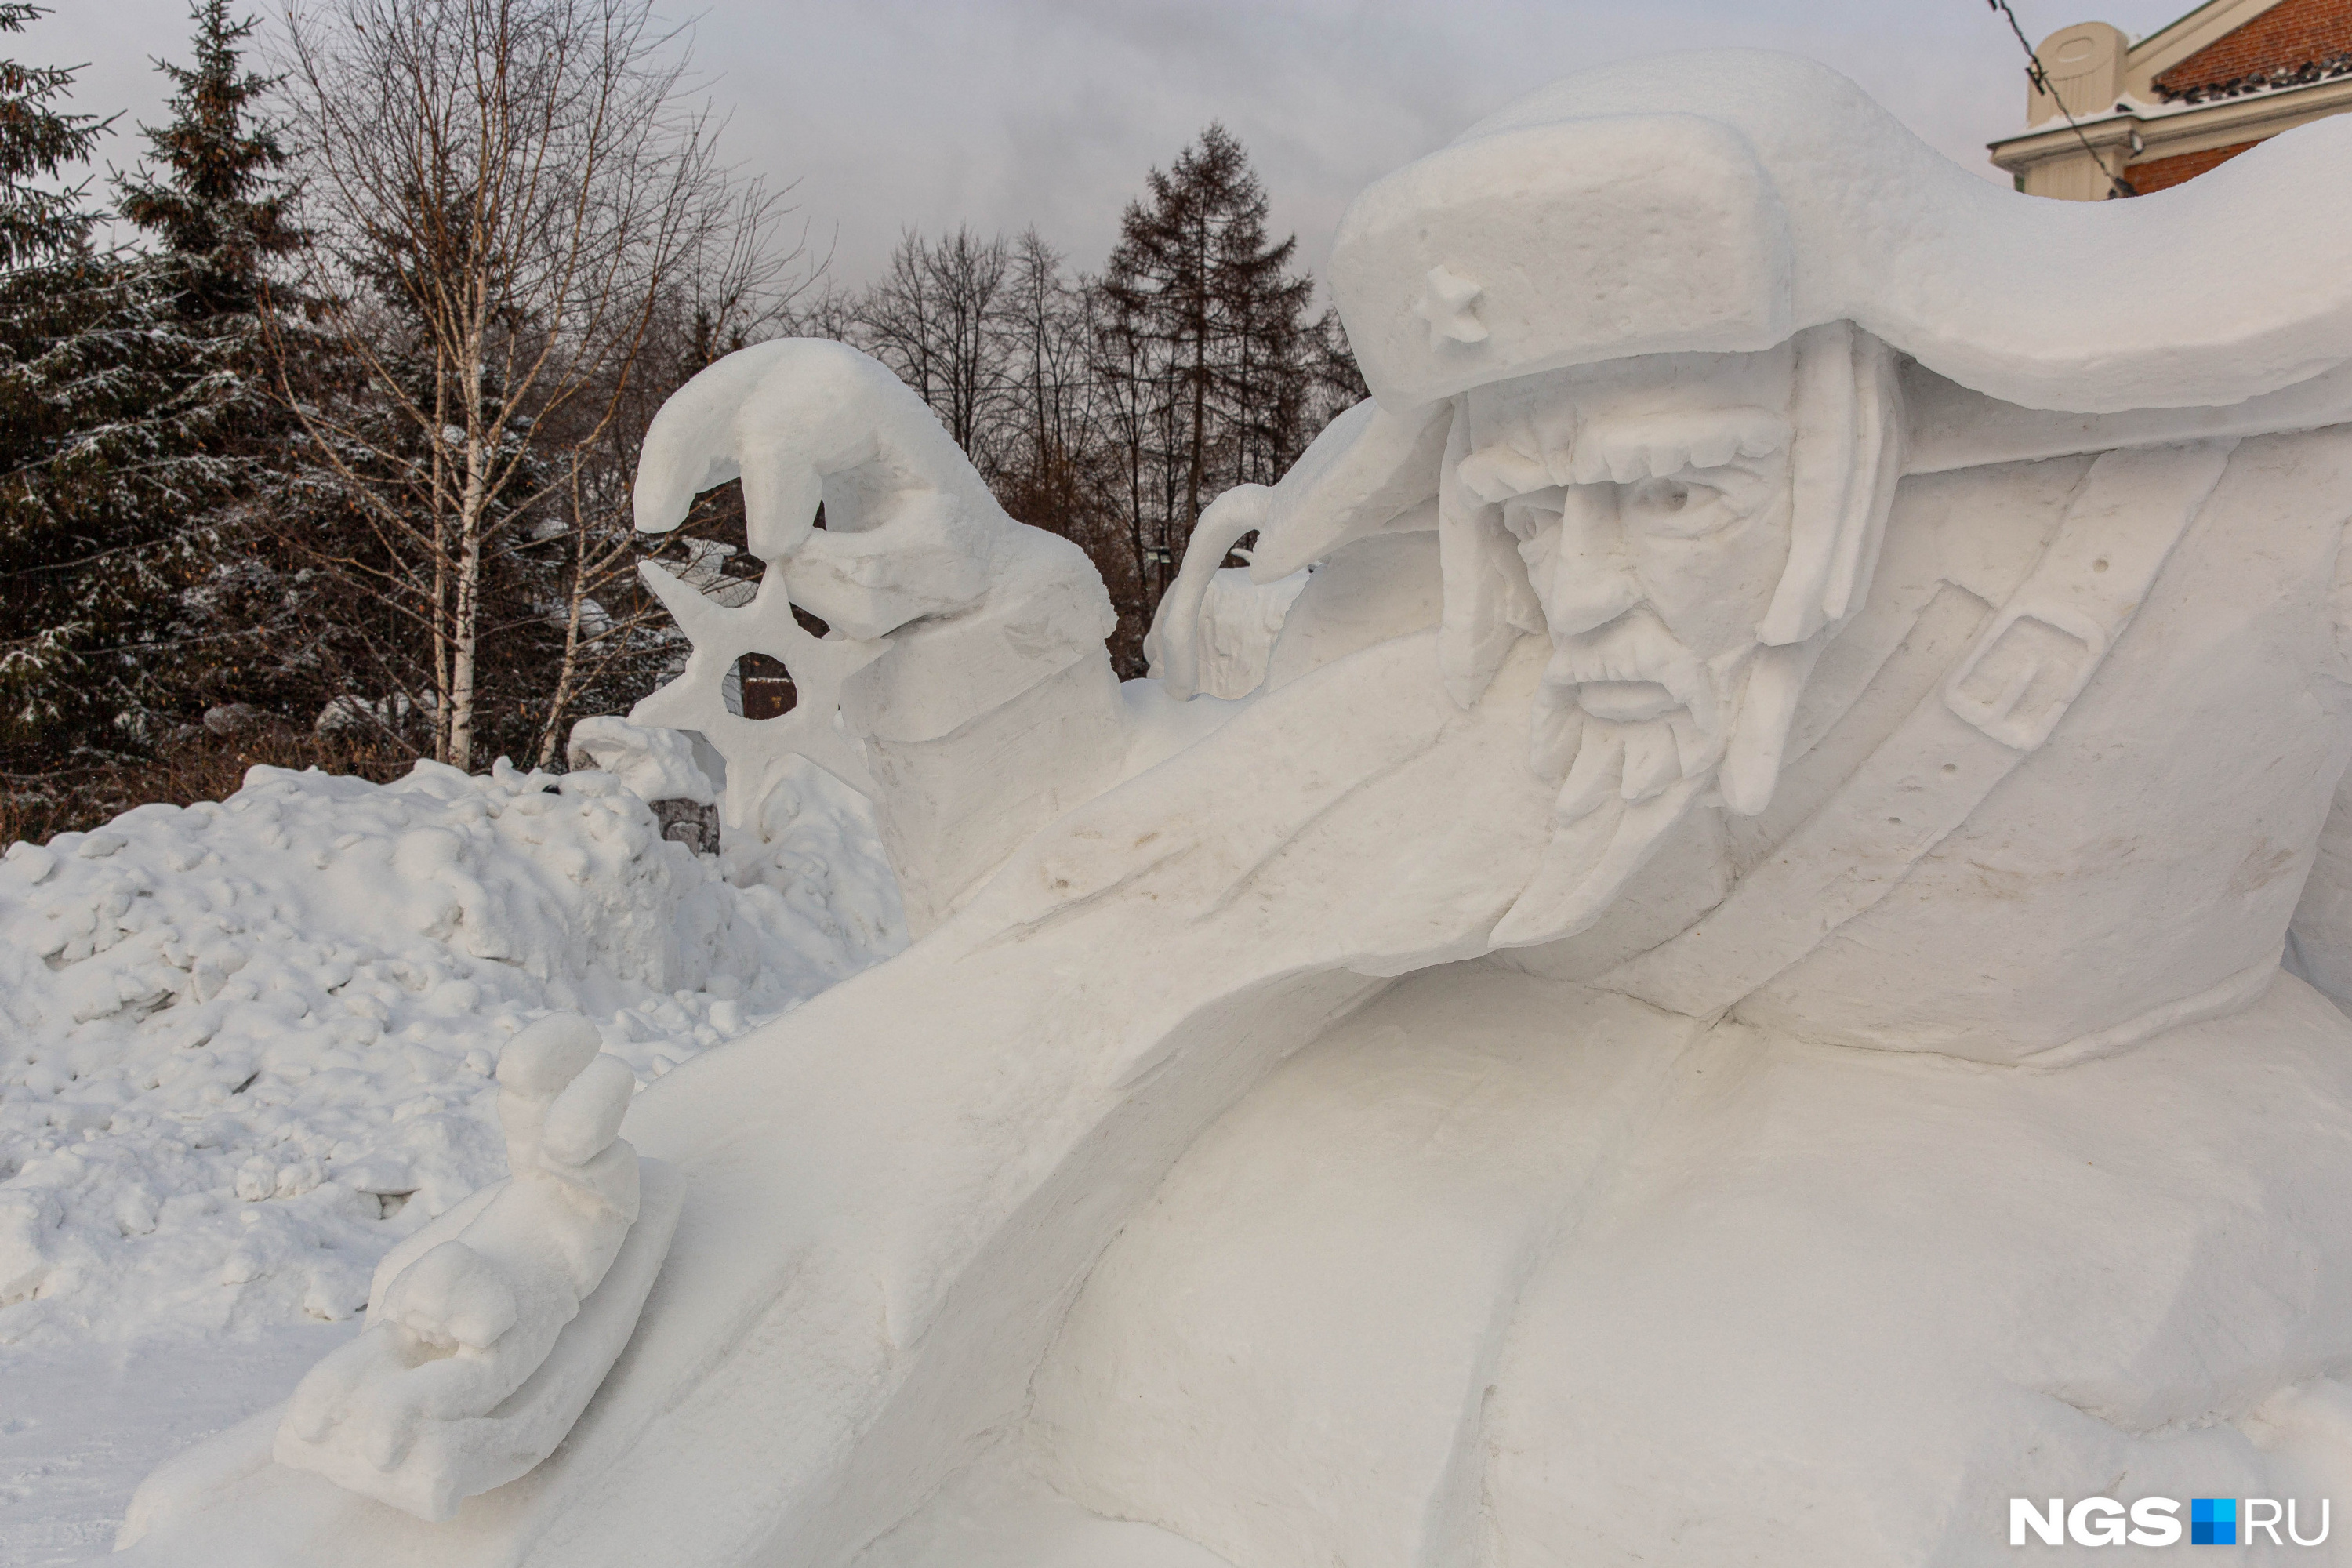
(1624, 450)
(1658, 446)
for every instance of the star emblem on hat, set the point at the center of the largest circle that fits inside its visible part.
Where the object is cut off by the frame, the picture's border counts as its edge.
(1444, 304)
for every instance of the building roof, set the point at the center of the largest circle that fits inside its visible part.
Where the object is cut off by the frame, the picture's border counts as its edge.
(2269, 44)
(2125, 117)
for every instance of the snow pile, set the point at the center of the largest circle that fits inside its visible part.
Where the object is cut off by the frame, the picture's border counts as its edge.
(245, 1047)
(652, 764)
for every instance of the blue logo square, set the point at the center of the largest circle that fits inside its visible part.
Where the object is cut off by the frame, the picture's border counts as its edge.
(2213, 1521)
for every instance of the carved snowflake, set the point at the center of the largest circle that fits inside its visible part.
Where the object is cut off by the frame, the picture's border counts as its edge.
(755, 749)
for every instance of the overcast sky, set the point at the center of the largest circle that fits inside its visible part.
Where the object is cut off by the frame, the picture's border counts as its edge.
(886, 114)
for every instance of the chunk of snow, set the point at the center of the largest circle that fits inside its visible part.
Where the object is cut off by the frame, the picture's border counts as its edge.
(653, 763)
(245, 1046)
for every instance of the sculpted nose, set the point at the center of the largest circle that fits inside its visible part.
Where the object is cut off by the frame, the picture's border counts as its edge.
(1593, 580)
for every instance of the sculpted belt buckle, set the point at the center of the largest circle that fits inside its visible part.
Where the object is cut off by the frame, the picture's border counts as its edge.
(2024, 672)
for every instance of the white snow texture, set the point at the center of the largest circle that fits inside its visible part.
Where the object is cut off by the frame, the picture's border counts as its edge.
(248, 1044)
(1712, 996)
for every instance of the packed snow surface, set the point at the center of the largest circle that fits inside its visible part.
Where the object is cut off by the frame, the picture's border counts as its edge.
(246, 1047)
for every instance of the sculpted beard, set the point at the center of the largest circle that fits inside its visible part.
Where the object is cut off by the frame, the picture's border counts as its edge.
(1627, 713)
(1636, 726)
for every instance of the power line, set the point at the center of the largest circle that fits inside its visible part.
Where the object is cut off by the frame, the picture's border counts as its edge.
(2116, 185)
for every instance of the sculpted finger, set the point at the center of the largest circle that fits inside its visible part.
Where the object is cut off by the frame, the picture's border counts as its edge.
(828, 424)
(1173, 647)
(807, 420)
(1368, 468)
(691, 445)
(927, 558)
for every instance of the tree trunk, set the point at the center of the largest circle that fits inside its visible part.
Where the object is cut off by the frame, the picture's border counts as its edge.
(440, 608)
(465, 633)
(568, 670)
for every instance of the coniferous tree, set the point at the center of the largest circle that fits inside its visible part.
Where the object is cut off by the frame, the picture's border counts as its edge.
(215, 200)
(1207, 341)
(39, 222)
(136, 420)
(70, 382)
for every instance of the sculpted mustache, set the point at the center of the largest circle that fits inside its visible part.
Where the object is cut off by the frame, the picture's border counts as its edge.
(1636, 647)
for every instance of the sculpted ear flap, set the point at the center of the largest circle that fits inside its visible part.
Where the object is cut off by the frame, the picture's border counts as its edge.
(1877, 466)
(1367, 468)
(1759, 739)
(1488, 601)
(1848, 457)
(1849, 424)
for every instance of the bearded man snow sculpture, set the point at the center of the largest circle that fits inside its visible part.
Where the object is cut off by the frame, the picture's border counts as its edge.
(1414, 1115)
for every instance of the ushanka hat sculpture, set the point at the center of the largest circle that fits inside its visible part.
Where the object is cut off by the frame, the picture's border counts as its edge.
(1727, 200)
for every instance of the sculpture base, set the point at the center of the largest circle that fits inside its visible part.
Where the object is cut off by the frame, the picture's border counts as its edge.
(453, 1460)
(1508, 1266)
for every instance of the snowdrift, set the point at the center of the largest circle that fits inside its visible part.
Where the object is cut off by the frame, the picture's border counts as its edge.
(247, 1044)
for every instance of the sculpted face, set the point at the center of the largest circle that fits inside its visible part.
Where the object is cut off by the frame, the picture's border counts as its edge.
(1651, 502)
(1687, 531)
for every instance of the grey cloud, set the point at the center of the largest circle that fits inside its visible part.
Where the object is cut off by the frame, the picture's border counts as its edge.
(893, 114)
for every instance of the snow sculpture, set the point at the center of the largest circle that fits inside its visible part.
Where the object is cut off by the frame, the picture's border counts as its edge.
(1789, 597)
(755, 748)
(1215, 630)
(458, 1384)
(989, 617)
(659, 767)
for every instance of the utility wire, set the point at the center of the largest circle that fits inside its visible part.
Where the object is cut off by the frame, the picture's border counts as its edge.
(2116, 185)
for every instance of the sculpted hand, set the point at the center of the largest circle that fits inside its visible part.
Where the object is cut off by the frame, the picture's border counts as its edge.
(465, 1310)
(993, 632)
(911, 531)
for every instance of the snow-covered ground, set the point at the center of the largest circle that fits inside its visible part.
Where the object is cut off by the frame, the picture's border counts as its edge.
(245, 1048)
(82, 1424)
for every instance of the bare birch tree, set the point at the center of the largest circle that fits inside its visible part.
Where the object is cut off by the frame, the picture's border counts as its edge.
(507, 193)
(723, 301)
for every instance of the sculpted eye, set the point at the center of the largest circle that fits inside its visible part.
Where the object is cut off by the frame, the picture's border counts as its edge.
(1688, 505)
(1660, 495)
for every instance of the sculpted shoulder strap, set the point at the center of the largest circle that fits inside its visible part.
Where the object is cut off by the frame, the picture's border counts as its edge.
(1997, 706)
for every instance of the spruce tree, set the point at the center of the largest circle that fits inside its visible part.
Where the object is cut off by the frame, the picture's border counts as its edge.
(103, 423)
(216, 201)
(1208, 336)
(212, 201)
(37, 144)
(132, 416)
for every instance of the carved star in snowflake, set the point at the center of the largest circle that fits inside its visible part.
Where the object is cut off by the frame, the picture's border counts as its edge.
(755, 749)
